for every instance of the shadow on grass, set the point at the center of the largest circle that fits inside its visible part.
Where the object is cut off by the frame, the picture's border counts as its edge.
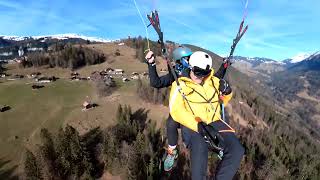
(6, 172)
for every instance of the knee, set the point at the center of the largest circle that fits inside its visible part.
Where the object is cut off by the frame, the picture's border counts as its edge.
(171, 123)
(241, 150)
(237, 150)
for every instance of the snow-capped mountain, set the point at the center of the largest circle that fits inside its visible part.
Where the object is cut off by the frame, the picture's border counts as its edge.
(257, 65)
(9, 45)
(255, 61)
(300, 57)
(310, 63)
(315, 55)
(56, 36)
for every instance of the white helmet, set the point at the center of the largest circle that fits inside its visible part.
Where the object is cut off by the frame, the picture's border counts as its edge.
(201, 60)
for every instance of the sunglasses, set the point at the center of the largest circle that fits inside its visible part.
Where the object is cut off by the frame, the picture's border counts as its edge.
(200, 73)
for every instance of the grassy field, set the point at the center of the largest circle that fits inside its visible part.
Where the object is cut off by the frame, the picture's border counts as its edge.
(35, 109)
(57, 104)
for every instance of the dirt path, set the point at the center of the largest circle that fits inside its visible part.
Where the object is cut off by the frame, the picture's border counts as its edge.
(304, 94)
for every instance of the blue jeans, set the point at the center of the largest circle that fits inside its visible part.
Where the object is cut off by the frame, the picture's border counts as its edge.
(228, 166)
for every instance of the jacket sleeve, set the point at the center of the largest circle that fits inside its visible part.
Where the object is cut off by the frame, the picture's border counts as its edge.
(221, 71)
(178, 110)
(159, 82)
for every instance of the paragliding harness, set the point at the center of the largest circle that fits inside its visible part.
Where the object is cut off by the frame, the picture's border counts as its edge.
(212, 138)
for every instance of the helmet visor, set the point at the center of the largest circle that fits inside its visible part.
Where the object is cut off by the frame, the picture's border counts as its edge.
(200, 73)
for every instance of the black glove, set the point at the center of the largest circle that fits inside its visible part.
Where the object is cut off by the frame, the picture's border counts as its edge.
(206, 130)
(211, 136)
(201, 130)
(224, 87)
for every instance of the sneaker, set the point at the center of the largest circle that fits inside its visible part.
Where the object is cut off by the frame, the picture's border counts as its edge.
(172, 155)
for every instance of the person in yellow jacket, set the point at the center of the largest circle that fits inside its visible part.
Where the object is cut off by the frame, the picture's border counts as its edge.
(195, 104)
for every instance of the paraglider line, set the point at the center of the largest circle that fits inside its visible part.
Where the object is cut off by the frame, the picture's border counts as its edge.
(144, 24)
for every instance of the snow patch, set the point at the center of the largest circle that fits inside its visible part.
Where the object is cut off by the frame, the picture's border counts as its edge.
(13, 38)
(300, 57)
(274, 62)
(313, 55)
(35, 49)
(6, 54)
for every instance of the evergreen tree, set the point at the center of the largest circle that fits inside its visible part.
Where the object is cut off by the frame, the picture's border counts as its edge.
(110, 150)
(47, 152)
(119, 114)
(140, 143)
(31, 167)
(134, 168)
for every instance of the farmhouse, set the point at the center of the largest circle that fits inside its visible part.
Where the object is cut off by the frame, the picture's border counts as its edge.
(135, 77)
(46, 79)
(74, 74)
(109, 70)
(87, 105)
(125, 80)
(3, 75)
(4, 108)
(119, 71)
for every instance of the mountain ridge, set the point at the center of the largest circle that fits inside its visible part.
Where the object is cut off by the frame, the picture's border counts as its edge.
(11, 45)
(56, 36)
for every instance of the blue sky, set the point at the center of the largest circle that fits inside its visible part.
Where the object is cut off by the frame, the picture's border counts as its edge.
(278, 29)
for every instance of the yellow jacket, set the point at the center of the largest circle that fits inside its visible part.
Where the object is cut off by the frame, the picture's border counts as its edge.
(199, 97)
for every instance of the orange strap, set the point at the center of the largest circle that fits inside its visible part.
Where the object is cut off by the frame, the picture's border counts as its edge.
(198, 119)
(227, 131)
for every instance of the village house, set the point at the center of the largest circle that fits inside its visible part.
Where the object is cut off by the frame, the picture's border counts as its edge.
(87, 105)
(74, 74)
(135, 77)
(109, 70)
(119, 71)
(125, 80)
(3, 75)
(4, 108)
(46, 79)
